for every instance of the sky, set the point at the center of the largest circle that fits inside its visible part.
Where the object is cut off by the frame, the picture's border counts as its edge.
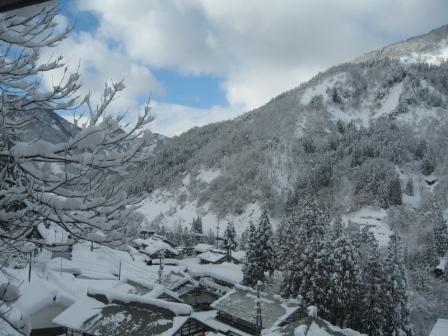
(203, 61)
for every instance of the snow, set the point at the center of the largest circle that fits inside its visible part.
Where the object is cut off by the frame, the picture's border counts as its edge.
(176, 308)
(375, 218)
(208, 175)
(442, 263)
(440, 328)
(154, 246)
(163, 208)
(201, 247)
(212, 256)
(390, 101)
(321, 88)
(226, 272)
(79, 312)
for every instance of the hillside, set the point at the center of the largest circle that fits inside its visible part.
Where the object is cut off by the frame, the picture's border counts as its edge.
(232, 169)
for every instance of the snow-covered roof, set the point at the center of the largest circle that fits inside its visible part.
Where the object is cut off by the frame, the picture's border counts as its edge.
(209, 319)
(148, 299)
(226, 272)
(241, 303)
(201, 247)
(153, 246)
(212, 256)
(7, 330)
(440, 328)
(93, 317)
(239, 255)
(78, 313)
(39, 294)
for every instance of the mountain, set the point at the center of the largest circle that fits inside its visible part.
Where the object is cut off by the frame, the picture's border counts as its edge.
(232, 169)
(431, 47)
(44, 124)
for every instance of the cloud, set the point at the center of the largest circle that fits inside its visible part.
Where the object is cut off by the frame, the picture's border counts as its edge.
(259, 48)
(173, 119)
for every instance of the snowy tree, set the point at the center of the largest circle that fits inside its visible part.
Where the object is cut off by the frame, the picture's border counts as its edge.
(251, 268)
(373, 299)
(396, 310)
(440, 231)
(305, 271)
(244, 239)
(265, 244)
(343, 265)
(67, 184)
(196, 225)
(409, 188)
(229, 240)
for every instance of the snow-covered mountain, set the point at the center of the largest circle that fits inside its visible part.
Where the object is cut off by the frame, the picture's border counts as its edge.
(431, 47)
(230, 170)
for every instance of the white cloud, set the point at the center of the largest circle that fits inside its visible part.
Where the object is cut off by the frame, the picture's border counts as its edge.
(259, 48)
(173, 119)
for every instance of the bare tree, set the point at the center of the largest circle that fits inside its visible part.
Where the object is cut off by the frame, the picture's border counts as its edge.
(68, 184)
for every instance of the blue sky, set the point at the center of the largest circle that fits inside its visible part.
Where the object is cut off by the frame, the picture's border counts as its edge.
(206, 60)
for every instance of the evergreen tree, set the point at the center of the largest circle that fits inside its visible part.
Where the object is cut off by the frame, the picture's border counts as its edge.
(244, 240)
(373, 303)
(196, 225)
(251, 268)
(265, 243)
(440, 231)
(409, 188)
(211, 239)
(395, 288)
(343, 264)
(305, 252)
(229, 240)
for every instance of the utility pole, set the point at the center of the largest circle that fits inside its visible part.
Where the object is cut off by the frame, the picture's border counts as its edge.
(119, 271)
(217, 235)
(259, 318)
(162, 256)
(29, 269)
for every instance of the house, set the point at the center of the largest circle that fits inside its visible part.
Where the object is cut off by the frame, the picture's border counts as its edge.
(200, 298)
(120, 314)
(440, 328)
(203, 323)
(310, 326)
(202, 248)
(213, 257)
(146, 233)
(155, 248)
(40, 302)
(237, 307)
(238, 257)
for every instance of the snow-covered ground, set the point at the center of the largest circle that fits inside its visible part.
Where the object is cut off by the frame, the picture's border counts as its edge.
(375, 218)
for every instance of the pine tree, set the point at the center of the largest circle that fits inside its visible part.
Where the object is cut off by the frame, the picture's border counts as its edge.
(229, 242)
(305, 251)
(409, 188)
(264, 244)
(251, 270)
(440, 231)
(373, 302)
(343, 265)
(396, 312)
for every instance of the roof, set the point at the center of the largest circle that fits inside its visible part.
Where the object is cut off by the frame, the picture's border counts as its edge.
(440, 328)
(226, 272)
(209, 319)
(201, 247)
(212, 256)
(239, 255)
(93, 317)
(241, 302)
(153, 245)
(40, 294)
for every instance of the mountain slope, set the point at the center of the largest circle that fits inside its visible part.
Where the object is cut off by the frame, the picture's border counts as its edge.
(431, 47)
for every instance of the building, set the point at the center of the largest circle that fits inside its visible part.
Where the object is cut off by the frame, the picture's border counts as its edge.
(155, 248)
(237, 308)
(120, 314)
(440, 328)
(213, 257)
